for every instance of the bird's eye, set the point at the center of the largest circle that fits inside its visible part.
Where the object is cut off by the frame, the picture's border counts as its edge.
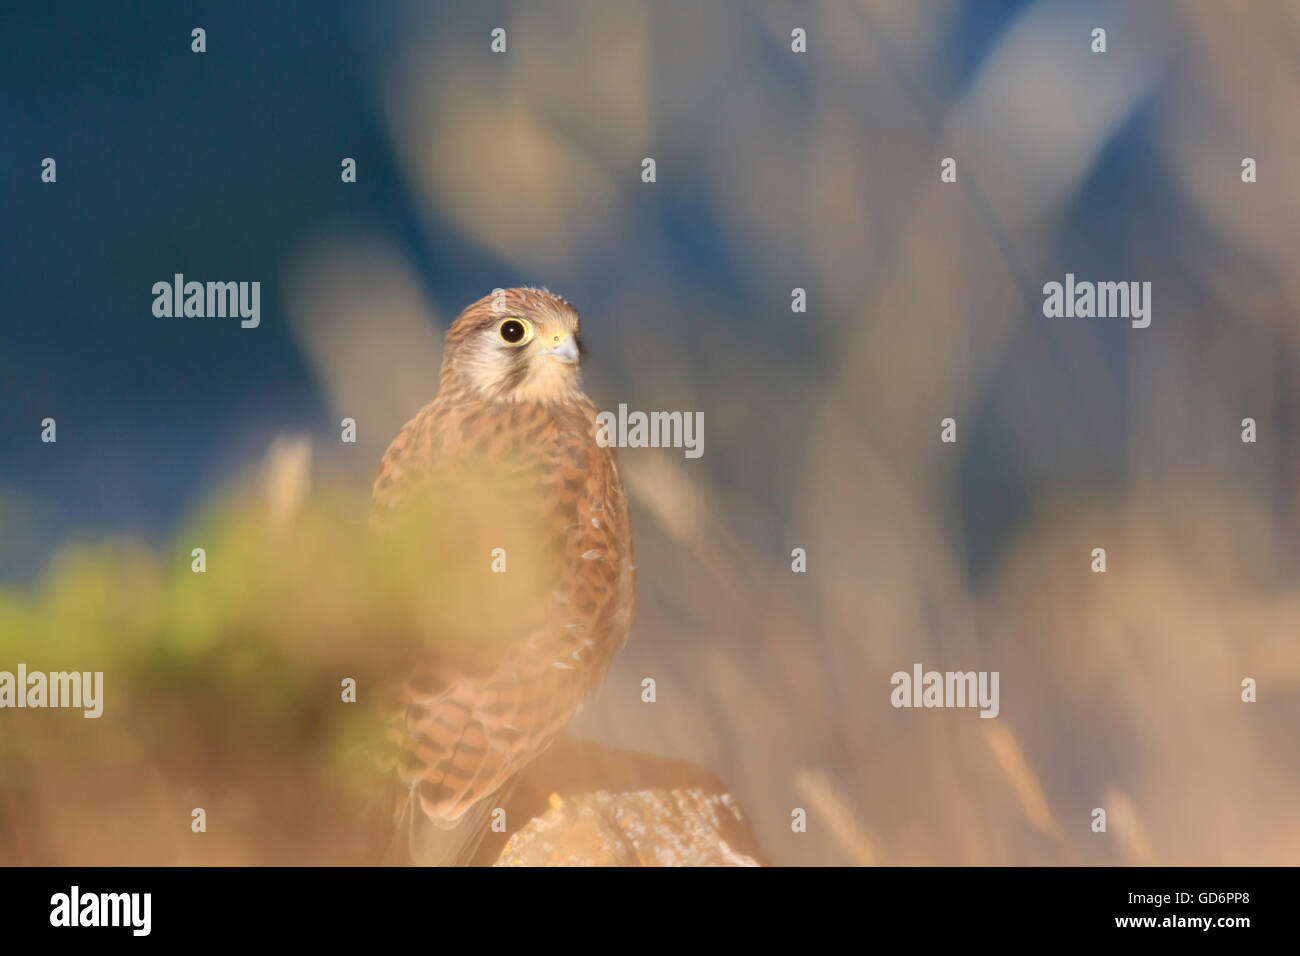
(514, 331)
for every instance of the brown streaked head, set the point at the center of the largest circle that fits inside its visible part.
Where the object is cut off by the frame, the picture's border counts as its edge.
(515, 345)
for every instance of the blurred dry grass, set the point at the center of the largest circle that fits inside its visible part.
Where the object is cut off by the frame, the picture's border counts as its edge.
(1118, 691)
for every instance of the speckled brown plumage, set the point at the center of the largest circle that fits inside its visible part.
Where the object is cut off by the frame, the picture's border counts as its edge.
(511, 434)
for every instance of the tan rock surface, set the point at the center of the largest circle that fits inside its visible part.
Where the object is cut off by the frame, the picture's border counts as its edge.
(586, 805)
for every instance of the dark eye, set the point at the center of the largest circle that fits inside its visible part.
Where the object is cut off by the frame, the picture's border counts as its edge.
(512, 331)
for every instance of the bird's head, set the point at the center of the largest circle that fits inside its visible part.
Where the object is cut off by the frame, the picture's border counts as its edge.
(515, 345)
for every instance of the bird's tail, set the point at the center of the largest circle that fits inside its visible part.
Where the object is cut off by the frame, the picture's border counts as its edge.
(414, 839)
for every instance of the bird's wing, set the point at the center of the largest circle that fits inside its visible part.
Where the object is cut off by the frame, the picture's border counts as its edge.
(510, 668)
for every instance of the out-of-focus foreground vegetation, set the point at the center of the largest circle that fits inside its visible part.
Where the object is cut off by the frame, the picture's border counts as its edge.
(222, 690)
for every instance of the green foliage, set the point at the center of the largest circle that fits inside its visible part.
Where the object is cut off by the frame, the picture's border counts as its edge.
(222, 689)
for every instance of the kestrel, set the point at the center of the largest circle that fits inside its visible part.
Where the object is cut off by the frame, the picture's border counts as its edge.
(531, 527)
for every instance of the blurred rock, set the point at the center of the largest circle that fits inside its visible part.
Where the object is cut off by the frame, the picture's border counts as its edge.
(582, 804)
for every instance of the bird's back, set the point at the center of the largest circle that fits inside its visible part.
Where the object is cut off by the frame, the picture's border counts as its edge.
(527, 523)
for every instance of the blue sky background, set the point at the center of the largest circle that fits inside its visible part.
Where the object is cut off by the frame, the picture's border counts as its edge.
(219, 166)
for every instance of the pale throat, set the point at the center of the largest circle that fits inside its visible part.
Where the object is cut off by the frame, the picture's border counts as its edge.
(547, 382)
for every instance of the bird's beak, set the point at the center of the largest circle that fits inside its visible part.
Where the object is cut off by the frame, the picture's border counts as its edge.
(566, 351)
